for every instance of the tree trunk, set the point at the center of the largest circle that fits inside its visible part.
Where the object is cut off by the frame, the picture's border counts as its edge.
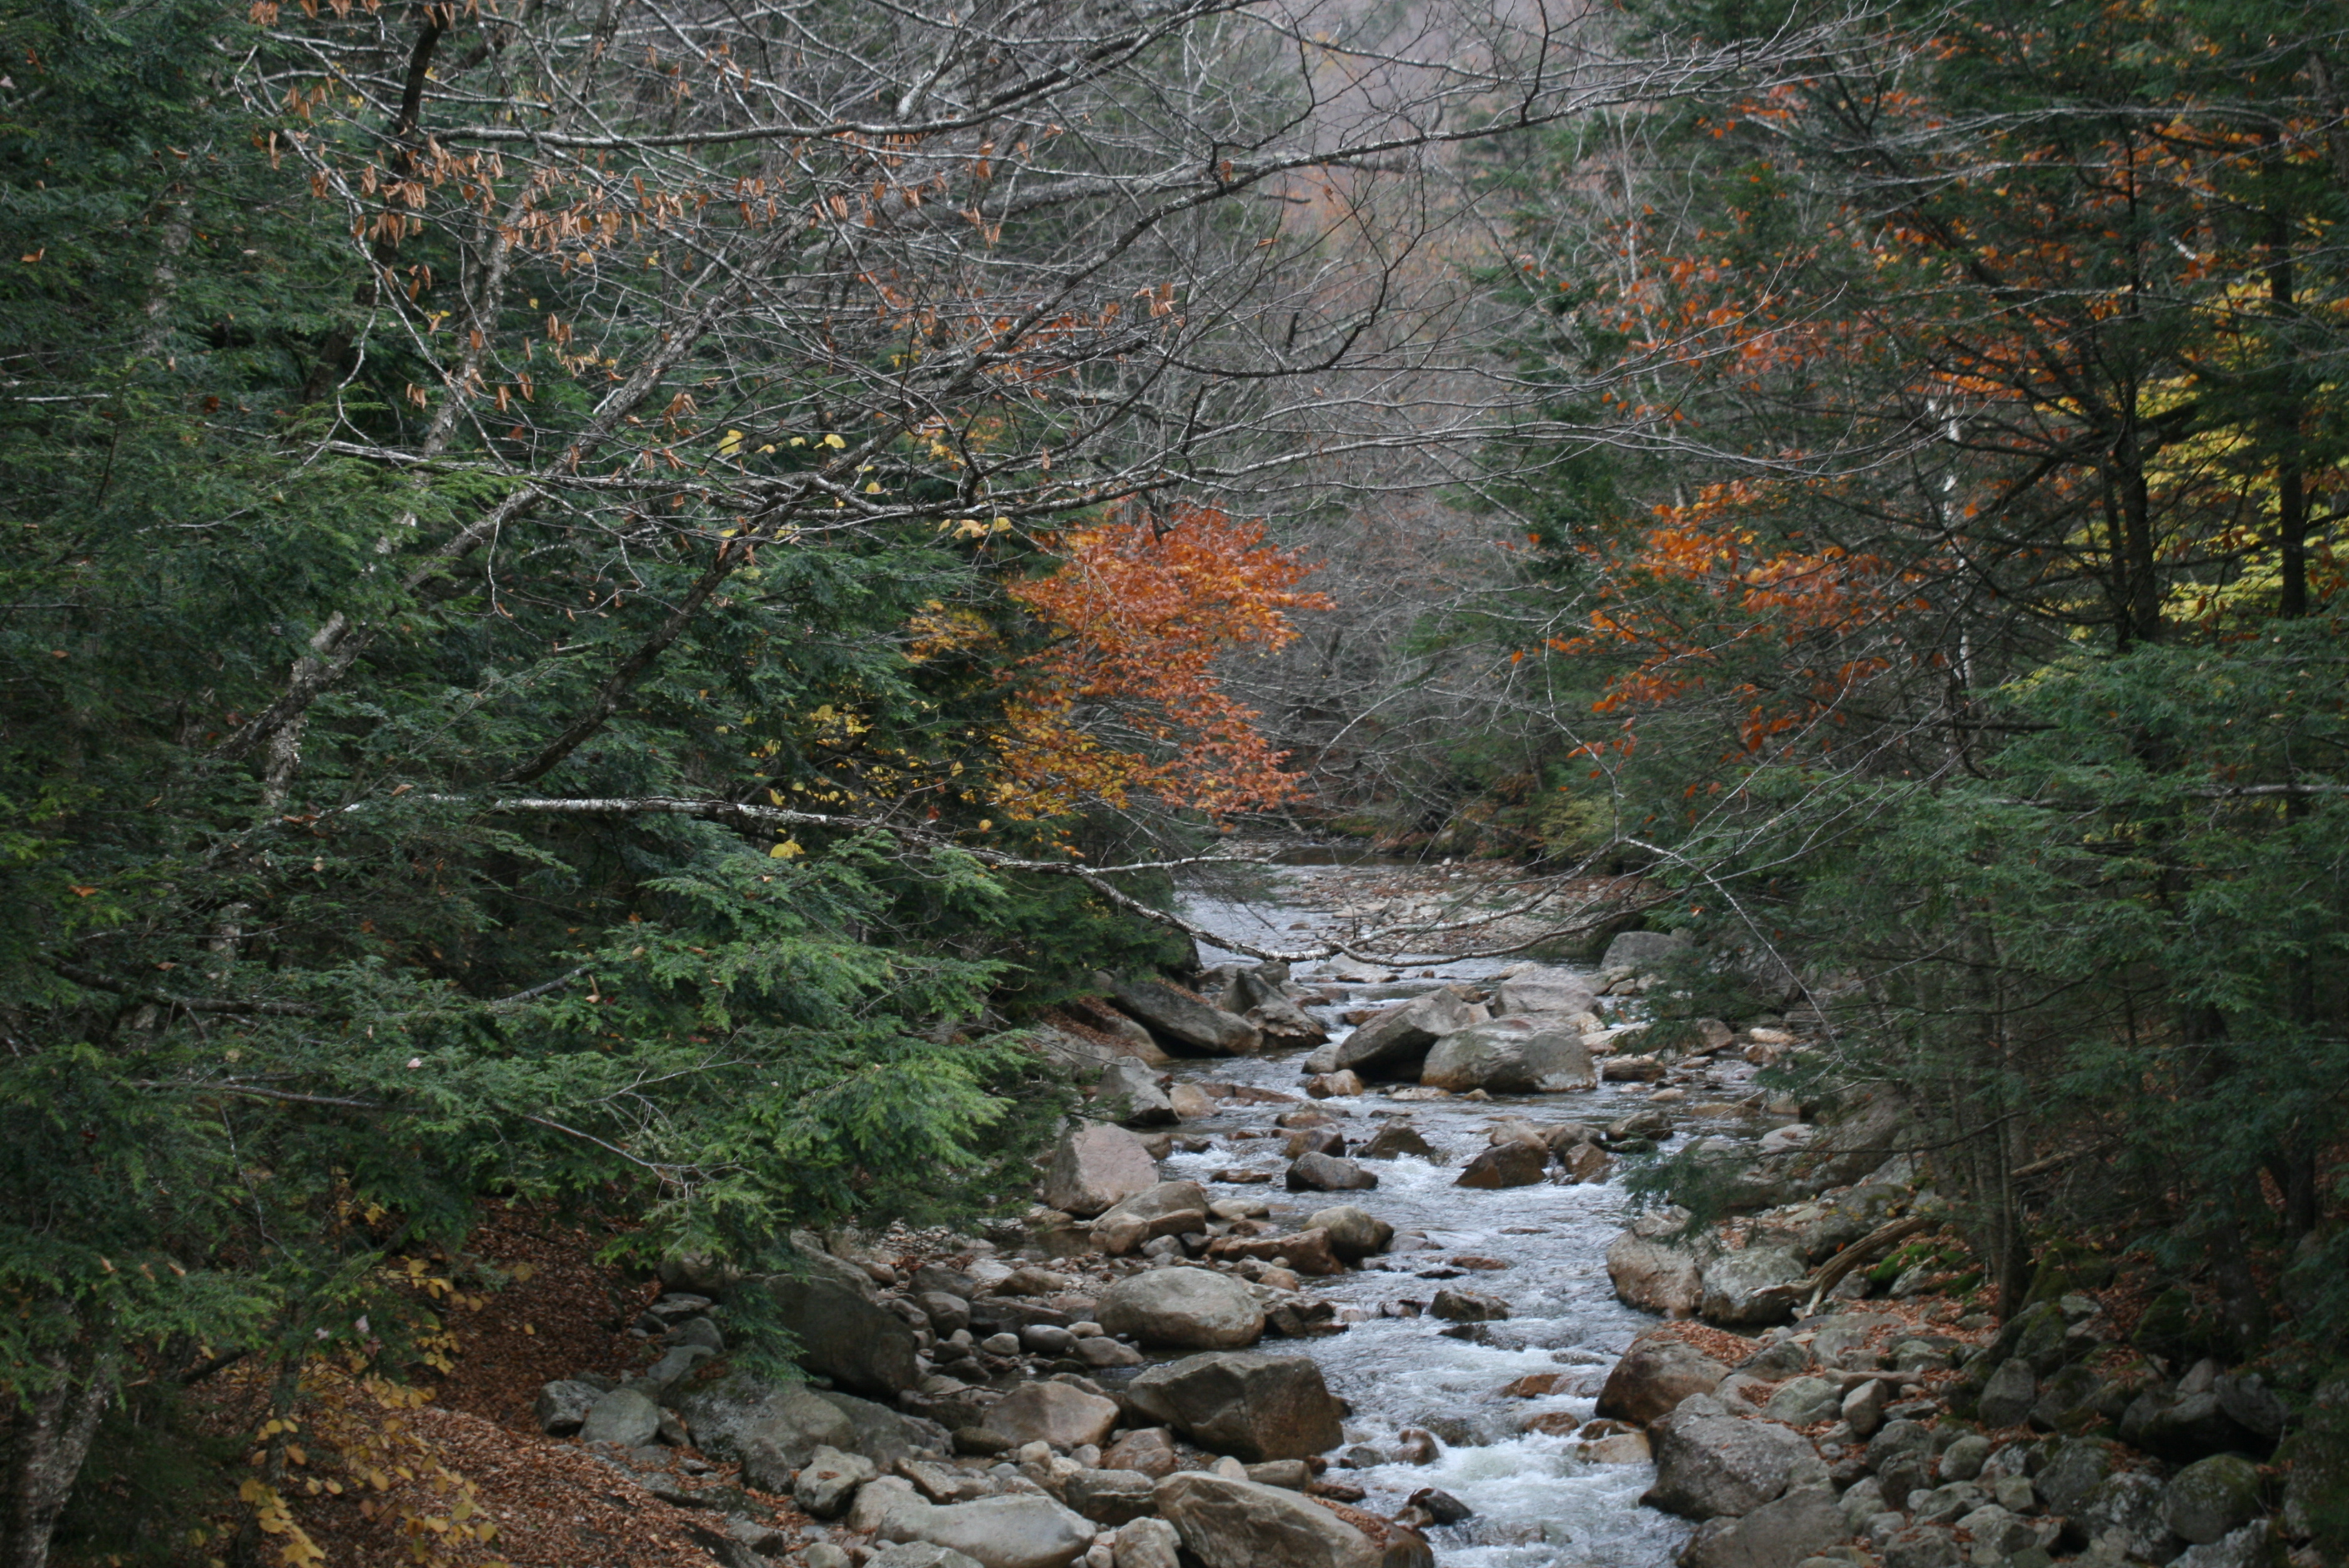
(45, 1436)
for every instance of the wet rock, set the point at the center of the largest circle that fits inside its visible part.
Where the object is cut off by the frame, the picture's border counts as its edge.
(1313, 1140)
(1017, 1531)
(1393, 1043)
(1054, 1413)
(1129, 1092)
(1395, 1140)
(844, 1331)
(2212, 1496)
(1585, 1163)
(1185, 1308)
(1710, 1463)
(1778, 1535)
(1190, 1101)
(1251, 1406)
(1308, 1252)
(1641, 951)
(562, 1406)
(1658, 1276)
(1658, 1371)
(1095, 1166)
(1227, 1523)
(1354, 1233)
(1149, 1450)
(623, 1417)
(1334, 1085)
(1183, 1019)
(829, 1479)
(1468, 1306)
(1506, 1165)
(1163, 1208)
(1328, 1173)
(1751, 1286)
(1509, 1056)
(1111, 1497)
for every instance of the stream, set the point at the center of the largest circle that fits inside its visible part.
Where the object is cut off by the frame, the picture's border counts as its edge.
(1537, 1505)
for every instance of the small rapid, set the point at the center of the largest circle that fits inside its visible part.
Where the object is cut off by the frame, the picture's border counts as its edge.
(1536, 1504)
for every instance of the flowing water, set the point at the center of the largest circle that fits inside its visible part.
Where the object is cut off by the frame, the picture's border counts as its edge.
(1537, 1505)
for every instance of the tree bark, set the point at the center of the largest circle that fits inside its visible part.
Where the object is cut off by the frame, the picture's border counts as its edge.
(45, 1436)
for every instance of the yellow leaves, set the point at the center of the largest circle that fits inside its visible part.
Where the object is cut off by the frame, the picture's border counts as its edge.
(836, 443)
(730, 444)
(788, 849)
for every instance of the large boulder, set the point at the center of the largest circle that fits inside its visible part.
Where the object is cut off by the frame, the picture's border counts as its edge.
(1752, 1285)
(1025, 1531)
(1178, 1017)
(770, 1429)
(844, 1331)
(1183, 1308)
(1657, 1276)
(1057, 1413)
(1505, 1165)
(1094, 1166)
(1313, 1173)
(1802, 1523)
(2209, 1498)
(1305, 1252)
(1227, 1523)
(1710, 1463)
(2126, 1514)
(1510, 1056)
(828, 1479)
(884, 1433)
(623, 1417)
(1251, 1406)
(1130, 1092)
(1540, 991)
(1644, 952)
(1394, 1041)
(1658, 1371)
(1354, 1233)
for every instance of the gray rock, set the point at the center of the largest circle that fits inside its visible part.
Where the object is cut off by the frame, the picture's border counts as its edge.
(1164, 1209)
(1642, 951)
(1468, 1306)
(1657, 1276)
(1998, 1530)
(1354, 1233)
(1253, 1407)
(1510, 1056)
(824, 1555)
(1111, 1497)
(1229, 1523)
(1863, 1407)
(1054, 1413)
(2253, 1546)
(1394, 1041)
(561, 1405)
(1778, 1535)
(1094, 1166)
(672, 1369)
(2126, 1510)
(1505, 1165)
(1710, 1463)
(1026, 1531)
(623, 1417)
(770, 1429)
(1544, 990)
(1922, 1547)
(1129, 1092)
(2007, 1398)
(1328, 1173)
(1803, 1401)
(828, 1479)
(2072, 1475)
(2210, 1498)
(1183, 1308)
(1754, 1286)
(884, 1434)
(1963, 1460)
(844, 1333)
(1147, 1543)
(1187, 1021)
(698, 1331)
(915, 1554)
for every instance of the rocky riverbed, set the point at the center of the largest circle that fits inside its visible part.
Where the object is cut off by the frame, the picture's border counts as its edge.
(1338, 1270)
